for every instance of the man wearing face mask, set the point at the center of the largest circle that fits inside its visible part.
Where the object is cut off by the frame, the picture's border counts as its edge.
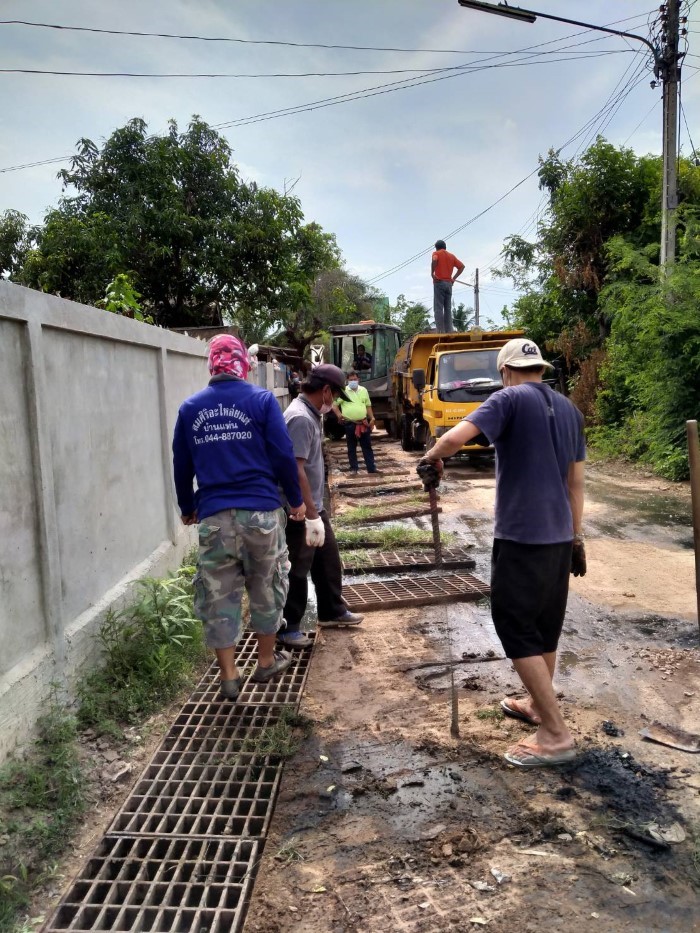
(312, 547)
(358, 419)
(538, 536)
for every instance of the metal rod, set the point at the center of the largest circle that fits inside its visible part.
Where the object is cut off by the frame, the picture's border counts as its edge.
(694, 461)
(437, 541)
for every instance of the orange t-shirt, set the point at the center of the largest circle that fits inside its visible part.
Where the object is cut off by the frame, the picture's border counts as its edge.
(444, 264)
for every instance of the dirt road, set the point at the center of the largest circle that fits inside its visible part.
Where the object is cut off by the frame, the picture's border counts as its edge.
(386, 823)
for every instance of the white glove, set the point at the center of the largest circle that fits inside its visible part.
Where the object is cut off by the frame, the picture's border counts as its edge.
(315, 532)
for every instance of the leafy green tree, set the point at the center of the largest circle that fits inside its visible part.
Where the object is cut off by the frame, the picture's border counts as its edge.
(462, 317)
(411, 317)
(201, 246)
(122, 298)
(650, 379)
(16, 238)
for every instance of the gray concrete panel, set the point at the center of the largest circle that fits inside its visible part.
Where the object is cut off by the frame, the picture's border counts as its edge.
(22, 621)
(105, 437)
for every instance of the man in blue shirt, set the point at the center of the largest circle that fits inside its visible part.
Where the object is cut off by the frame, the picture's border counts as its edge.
(538, 539)
(232, 438)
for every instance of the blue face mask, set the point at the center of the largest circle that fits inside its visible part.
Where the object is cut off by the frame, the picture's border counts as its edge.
(353, 384)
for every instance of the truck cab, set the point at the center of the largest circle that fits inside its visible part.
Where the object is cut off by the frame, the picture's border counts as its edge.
(441, 378)
(457, 382)
(381, 343)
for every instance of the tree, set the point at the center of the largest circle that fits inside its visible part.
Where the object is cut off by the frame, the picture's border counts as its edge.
(16, 239)
(462, 317)
(335, 297)
(172, 213)
(411, 317)
(593, 293)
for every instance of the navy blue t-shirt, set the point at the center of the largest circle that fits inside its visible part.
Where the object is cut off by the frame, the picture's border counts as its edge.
(233, 438)
(537, 434)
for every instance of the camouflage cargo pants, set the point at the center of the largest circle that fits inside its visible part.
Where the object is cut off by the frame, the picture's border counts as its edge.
(237, 548)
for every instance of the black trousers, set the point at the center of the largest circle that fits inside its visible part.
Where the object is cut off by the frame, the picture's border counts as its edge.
(326, 572)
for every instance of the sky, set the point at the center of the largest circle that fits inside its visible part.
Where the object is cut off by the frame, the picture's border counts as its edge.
(389, 173)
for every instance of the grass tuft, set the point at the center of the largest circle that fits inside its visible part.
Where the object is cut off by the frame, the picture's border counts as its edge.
(493, 712)
(150, 650)
(41, 800)
(390, 537)
(283, 738)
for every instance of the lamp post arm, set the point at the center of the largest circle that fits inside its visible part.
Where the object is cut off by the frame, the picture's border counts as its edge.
(502, 9)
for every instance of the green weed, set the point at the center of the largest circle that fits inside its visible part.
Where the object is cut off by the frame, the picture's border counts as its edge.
(289, 852)
(283, 738)
(490, 713)
(390, 538)
(150, 649)
(41, 799)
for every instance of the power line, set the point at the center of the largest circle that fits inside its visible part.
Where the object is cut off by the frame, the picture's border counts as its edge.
(357, 95)
(626, 91)
(574, 56)
(272, 42)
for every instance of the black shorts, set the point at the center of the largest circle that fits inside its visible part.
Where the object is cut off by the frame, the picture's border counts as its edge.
(529, 589)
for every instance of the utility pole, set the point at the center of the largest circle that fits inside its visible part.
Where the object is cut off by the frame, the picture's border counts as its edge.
(476, 298)
(669, 73)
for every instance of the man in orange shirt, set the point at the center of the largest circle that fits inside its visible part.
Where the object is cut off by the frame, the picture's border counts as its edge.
(441, 268)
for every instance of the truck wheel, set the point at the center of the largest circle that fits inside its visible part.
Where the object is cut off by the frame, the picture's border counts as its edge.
(390, 427)
(406, 440)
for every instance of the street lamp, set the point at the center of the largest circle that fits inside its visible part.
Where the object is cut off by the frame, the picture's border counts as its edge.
(531, 16)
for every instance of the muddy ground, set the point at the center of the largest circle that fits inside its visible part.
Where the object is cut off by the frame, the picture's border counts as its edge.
(387, 823)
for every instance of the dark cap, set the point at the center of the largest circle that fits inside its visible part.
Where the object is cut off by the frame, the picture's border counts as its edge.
(333, 375)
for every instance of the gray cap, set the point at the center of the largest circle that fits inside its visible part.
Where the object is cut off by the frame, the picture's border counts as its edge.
(331, 374)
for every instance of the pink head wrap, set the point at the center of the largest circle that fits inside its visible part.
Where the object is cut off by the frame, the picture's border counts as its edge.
(228, 355)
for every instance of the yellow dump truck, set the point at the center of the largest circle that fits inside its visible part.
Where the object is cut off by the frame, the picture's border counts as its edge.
(440, 378)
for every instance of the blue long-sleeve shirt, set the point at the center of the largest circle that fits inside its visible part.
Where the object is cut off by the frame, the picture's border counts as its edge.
(232, 437)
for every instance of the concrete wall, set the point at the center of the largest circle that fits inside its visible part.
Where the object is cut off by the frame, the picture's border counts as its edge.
(88, 402)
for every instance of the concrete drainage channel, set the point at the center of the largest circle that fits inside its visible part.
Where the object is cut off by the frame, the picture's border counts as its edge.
(182, 853)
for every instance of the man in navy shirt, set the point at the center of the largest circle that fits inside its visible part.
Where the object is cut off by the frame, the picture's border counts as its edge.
(232, 438)
(538, 541)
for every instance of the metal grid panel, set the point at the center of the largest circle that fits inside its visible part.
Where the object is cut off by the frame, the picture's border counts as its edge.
(416, 591)
(391, 561)
(382, 493)
(388, 514)
(182, 852)
(342, 481)
(367, 545)
(202, 794)
(161, 885)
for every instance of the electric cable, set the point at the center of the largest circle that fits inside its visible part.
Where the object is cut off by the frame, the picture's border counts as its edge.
(289, 74)
(272, 42)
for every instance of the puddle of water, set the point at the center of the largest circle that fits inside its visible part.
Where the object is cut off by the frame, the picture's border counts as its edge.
(567, 661)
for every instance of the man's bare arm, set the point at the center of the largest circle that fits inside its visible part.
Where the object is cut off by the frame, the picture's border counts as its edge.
(453, 440)
(433, 266)
(311, 510)
(460, 270)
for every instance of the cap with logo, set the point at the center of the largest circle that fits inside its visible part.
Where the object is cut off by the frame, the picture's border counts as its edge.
(521, 354)
(331, 374)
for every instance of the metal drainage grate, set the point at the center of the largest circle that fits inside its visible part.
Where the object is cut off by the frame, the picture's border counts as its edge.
(423, 591)
(391, 561)
(387, 514)
(359, 492)
(182, 852)
(371, 545)
(132, 883)
(370, 481)
(202, 794)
